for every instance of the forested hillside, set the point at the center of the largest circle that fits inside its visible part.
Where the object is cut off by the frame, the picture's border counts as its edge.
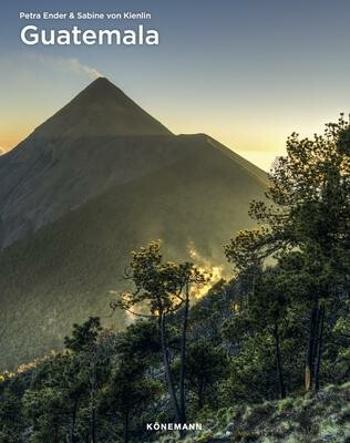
(263, 357)
(99, 178)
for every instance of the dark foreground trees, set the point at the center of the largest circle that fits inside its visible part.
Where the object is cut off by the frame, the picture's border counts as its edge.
(307, 211)
(280, 327)
(164, 288)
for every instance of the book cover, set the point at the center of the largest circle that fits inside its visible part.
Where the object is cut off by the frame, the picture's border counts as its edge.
(174, 221)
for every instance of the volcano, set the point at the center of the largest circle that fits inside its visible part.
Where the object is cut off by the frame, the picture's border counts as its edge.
(101, 109)
(93, 182)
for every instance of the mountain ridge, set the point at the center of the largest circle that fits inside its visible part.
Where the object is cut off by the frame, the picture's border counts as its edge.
(101, 109)
(74, 204)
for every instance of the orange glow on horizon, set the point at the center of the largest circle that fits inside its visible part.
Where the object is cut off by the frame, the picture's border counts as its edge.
(11, 136)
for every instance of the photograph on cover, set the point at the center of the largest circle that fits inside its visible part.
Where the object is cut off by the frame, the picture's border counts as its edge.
(174, 221)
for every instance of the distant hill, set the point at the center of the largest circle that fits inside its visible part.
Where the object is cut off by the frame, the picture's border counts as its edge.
(82, 191)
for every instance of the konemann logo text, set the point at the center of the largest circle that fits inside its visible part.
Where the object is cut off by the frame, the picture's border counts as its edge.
(174, 426)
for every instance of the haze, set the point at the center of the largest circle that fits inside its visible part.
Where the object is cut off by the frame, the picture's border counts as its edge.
(246, 72)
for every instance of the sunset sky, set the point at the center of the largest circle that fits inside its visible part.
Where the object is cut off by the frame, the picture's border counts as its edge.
(247, 72)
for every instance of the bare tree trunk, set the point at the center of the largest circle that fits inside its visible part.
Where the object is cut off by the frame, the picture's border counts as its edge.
(319, 349)
(169, 377)
(56, 435)
(183, 359)
(126, 427)
(281, 384)
(74, 419)
(93, 425)
(93, 395)
(200, 396)
(310, 357)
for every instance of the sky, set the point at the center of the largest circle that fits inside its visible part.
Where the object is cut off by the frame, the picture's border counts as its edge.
(246, 72)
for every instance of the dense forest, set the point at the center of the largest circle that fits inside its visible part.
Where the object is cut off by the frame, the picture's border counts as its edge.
(262, 357)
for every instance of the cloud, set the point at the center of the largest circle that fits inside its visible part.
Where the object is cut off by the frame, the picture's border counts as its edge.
(67, 64)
